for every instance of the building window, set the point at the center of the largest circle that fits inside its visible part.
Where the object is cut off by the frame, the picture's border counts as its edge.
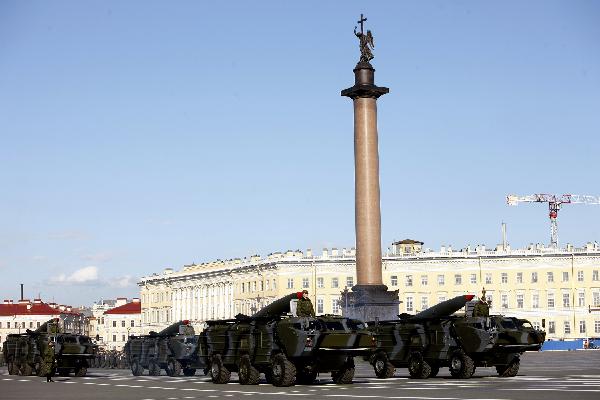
(335, 283)
(290, 283)
(319, 306)
(596, 299)
(409, 281)
(335, 306)
(123, 324)
(581, 326)
(320, 283)
(579, 276)
(349, 281)
(566, 302)
(551, 327)
(423, 280)
(122, 338)
(409, 304)
(504, 298)
(519, 277)
(458, 279)
(267, 283)
(488, 279)
(519, 301)
(424, 301)
(567, 328)
(550, 300)
(0, 326)
(535, 301)
(394, 280)
(550, 276)
(243, 287)
(38, 324)
(534, 277)
(581, 299)
(595, 275)
(565, 275)
(114, 338)
(596, 326)
(254, 286)
(536, 325)
(490, 298)
(504, 277)
(114, 324)
(441, 298)
(441, 280)
(473, 278)
(305, 283)
(262, 285)
(274, 284)
(132, 323)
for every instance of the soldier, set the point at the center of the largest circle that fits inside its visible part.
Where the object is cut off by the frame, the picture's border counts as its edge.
(48, 362)
(482, 308)
(305, 307)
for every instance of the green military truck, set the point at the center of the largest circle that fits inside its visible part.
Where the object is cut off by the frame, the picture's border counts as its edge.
(285, 348)
(174, 349)
(23, 352)
(436, 338)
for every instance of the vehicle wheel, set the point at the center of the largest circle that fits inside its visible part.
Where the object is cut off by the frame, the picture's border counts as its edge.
(218, 372)
(63, 372)
(284, 372)
(80, 371)
(435, 369)
(26, 369)
(173, 367)
(136, 368)
(269, 376)
(189, 371)
(509, 370)
(13, 369)
(382, 366)
(461, 365)
(345, 375)
(306, 376)
(153, 368)
(248, 374)
(418, 368)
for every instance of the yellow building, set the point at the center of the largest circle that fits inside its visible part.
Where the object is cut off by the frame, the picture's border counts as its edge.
(553, 288)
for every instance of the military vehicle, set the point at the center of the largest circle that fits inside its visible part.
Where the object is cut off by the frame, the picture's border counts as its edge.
(436, 338)
(286, 348)
(174, 349)
(24, 351)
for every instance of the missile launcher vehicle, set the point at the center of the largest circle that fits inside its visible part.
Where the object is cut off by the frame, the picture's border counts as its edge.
(286, 348)
(174, 349)
(23, 352)
(436, 338)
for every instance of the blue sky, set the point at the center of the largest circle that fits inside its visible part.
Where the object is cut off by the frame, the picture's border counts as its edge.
(140, 135)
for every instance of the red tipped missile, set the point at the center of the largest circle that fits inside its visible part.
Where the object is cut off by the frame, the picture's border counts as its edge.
(444, 308)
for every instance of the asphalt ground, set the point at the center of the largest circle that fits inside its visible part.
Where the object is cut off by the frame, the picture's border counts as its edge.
(548, 375)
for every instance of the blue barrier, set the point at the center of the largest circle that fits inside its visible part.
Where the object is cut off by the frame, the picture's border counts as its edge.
(563, 345)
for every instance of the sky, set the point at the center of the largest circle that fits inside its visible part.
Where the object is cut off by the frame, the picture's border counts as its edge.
(139, 135)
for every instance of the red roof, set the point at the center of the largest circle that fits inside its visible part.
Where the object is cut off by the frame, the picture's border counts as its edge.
(21, 309)
(135, 307)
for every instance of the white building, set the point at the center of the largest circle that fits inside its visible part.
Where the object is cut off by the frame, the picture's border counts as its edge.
(120, 322)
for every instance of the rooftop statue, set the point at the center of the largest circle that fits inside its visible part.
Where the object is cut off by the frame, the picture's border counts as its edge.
(366, 42)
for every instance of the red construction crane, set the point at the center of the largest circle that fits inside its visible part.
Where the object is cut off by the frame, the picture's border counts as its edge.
(554, 203)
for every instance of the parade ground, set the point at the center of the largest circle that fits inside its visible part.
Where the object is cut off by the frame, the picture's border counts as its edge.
(545, 375)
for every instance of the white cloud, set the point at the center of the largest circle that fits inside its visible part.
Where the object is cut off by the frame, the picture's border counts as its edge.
(84, 275)
(123, 281)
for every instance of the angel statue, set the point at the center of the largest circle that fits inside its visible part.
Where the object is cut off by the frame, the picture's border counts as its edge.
(366, 45)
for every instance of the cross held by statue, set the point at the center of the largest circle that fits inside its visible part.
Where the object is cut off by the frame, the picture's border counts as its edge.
(361, 22)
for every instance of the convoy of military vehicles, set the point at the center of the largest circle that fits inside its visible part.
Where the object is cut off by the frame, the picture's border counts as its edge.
(23, 352)
(289, 349)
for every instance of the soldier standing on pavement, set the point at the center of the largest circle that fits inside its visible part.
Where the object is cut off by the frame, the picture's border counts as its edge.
(48, 362)
(305, 307)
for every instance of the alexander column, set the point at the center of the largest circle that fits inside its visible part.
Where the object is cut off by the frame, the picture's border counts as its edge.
(369, 299)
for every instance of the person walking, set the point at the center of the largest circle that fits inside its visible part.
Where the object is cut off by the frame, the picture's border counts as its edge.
(48, 362)
(305, 307)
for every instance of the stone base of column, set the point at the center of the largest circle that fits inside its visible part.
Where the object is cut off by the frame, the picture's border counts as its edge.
(370, 303)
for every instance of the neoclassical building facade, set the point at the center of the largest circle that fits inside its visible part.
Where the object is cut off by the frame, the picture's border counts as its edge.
(557, 289)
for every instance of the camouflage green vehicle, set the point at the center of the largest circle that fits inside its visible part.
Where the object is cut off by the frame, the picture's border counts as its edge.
(285, 348)
(174, 349)
(436, 338)
(23, 352)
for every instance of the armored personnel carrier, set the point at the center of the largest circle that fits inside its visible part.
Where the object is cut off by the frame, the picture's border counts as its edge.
(286, 348)
(436, 338)
(174, 349)
(24, 351)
